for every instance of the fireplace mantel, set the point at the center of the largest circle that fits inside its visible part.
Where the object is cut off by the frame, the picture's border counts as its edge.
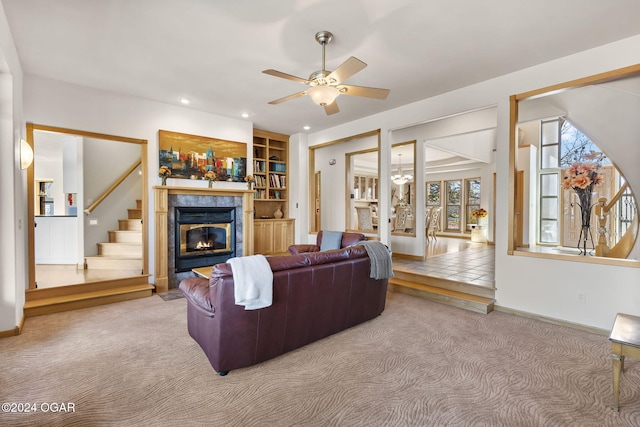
(161, 209)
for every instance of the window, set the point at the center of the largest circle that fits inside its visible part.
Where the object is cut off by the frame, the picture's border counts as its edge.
(433, 194)
(472, 191)
(562, 145)
(624, 212)
(548, 225)
(550, 202)
(549, 206)
(453, 209)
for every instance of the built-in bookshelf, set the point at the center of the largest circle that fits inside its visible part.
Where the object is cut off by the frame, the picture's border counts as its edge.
(272, 235)
(270, 170)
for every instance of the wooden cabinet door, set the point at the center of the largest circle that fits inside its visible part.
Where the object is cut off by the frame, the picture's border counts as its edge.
(282, 236)
(263, 237)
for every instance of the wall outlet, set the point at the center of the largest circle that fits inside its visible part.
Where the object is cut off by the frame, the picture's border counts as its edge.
(582, 297)
(93, 221)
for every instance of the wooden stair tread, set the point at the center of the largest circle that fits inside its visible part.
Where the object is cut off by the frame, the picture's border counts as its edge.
(441, 291)
(87, 295)
(124, 256)
(409, 272)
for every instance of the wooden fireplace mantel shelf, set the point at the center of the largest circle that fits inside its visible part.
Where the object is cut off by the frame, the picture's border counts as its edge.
(203, 191)
(161, 209)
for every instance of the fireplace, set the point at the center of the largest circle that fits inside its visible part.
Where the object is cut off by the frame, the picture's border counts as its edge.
(169, 198)
(204, 236)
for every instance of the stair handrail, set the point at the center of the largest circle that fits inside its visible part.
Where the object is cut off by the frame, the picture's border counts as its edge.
(113, 186)
(602, 212)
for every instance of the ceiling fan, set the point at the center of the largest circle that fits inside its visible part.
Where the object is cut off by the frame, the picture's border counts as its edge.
(325, 86)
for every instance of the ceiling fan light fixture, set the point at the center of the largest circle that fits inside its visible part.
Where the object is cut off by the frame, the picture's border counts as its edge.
(323, 94)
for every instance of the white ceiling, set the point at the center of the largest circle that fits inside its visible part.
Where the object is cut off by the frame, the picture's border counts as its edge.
(213, 52)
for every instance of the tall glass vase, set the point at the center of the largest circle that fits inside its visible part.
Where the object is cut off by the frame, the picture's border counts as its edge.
(584, 198)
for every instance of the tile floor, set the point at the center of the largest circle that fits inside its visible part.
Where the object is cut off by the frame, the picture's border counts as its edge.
(454, 259)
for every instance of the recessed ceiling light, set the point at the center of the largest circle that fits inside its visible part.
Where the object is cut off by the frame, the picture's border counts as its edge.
(306, 127)
(185, 101)
(245, 115)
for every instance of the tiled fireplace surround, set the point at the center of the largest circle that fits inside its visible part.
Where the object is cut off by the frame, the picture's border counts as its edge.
(168, 198)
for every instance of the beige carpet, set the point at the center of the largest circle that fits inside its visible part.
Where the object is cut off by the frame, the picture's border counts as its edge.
(418, 364)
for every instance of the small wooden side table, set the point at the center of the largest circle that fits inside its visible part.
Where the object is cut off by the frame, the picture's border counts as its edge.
(625, 341)
(203, 272)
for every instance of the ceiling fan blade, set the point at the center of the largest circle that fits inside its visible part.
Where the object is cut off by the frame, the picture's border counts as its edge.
(347, 69)
(287, 98)
(286, 76)
(331, 108)
(369, 92)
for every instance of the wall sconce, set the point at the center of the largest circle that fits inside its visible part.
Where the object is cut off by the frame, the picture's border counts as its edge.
(26, 154)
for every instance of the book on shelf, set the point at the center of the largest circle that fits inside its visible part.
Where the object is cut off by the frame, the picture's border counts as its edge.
(277, 181)
(259, 166)
(278, 167)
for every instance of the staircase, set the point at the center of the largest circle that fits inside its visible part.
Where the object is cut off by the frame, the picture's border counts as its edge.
(479, 299)
(123, 251)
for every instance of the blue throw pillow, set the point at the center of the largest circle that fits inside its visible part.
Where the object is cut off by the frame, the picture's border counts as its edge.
(330, 240)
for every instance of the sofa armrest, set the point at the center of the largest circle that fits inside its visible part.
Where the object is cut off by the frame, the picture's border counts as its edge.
(298, 249)
(196, 290)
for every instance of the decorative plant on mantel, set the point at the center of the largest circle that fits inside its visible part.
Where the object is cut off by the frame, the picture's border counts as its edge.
(164, 172)
(210, 176)
(250, 180)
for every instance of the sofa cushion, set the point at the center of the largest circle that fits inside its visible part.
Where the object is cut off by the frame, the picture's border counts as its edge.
(286, 262)
(330, 240)
(317, 258)
(298, 249)
(350, 239)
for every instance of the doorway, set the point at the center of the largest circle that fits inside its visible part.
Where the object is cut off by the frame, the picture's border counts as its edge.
(78, 174)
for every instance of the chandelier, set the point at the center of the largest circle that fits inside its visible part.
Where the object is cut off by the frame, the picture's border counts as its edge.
(400, 178)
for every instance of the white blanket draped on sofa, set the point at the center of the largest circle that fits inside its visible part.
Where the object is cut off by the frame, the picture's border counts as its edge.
(253, 281)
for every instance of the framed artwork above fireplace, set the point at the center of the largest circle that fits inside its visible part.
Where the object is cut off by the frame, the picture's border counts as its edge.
(191, 156)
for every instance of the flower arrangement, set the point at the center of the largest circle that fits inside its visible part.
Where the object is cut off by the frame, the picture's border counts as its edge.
(581, 177)
(250, 180)
(210, 176)
(479, 213)
(164, 172)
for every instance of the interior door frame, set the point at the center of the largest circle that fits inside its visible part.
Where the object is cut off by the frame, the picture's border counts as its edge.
(312, 175)
(31, 127)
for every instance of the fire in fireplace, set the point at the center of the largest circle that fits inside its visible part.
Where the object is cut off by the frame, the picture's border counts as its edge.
(204, 236)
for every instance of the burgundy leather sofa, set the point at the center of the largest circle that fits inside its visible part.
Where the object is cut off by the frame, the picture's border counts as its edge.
(315, 295)
(348, 239)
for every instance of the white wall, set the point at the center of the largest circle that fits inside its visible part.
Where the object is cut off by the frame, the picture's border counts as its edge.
(541, 286)
(104, 162)
(13, 209)
(298, 194)
(333, 210)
